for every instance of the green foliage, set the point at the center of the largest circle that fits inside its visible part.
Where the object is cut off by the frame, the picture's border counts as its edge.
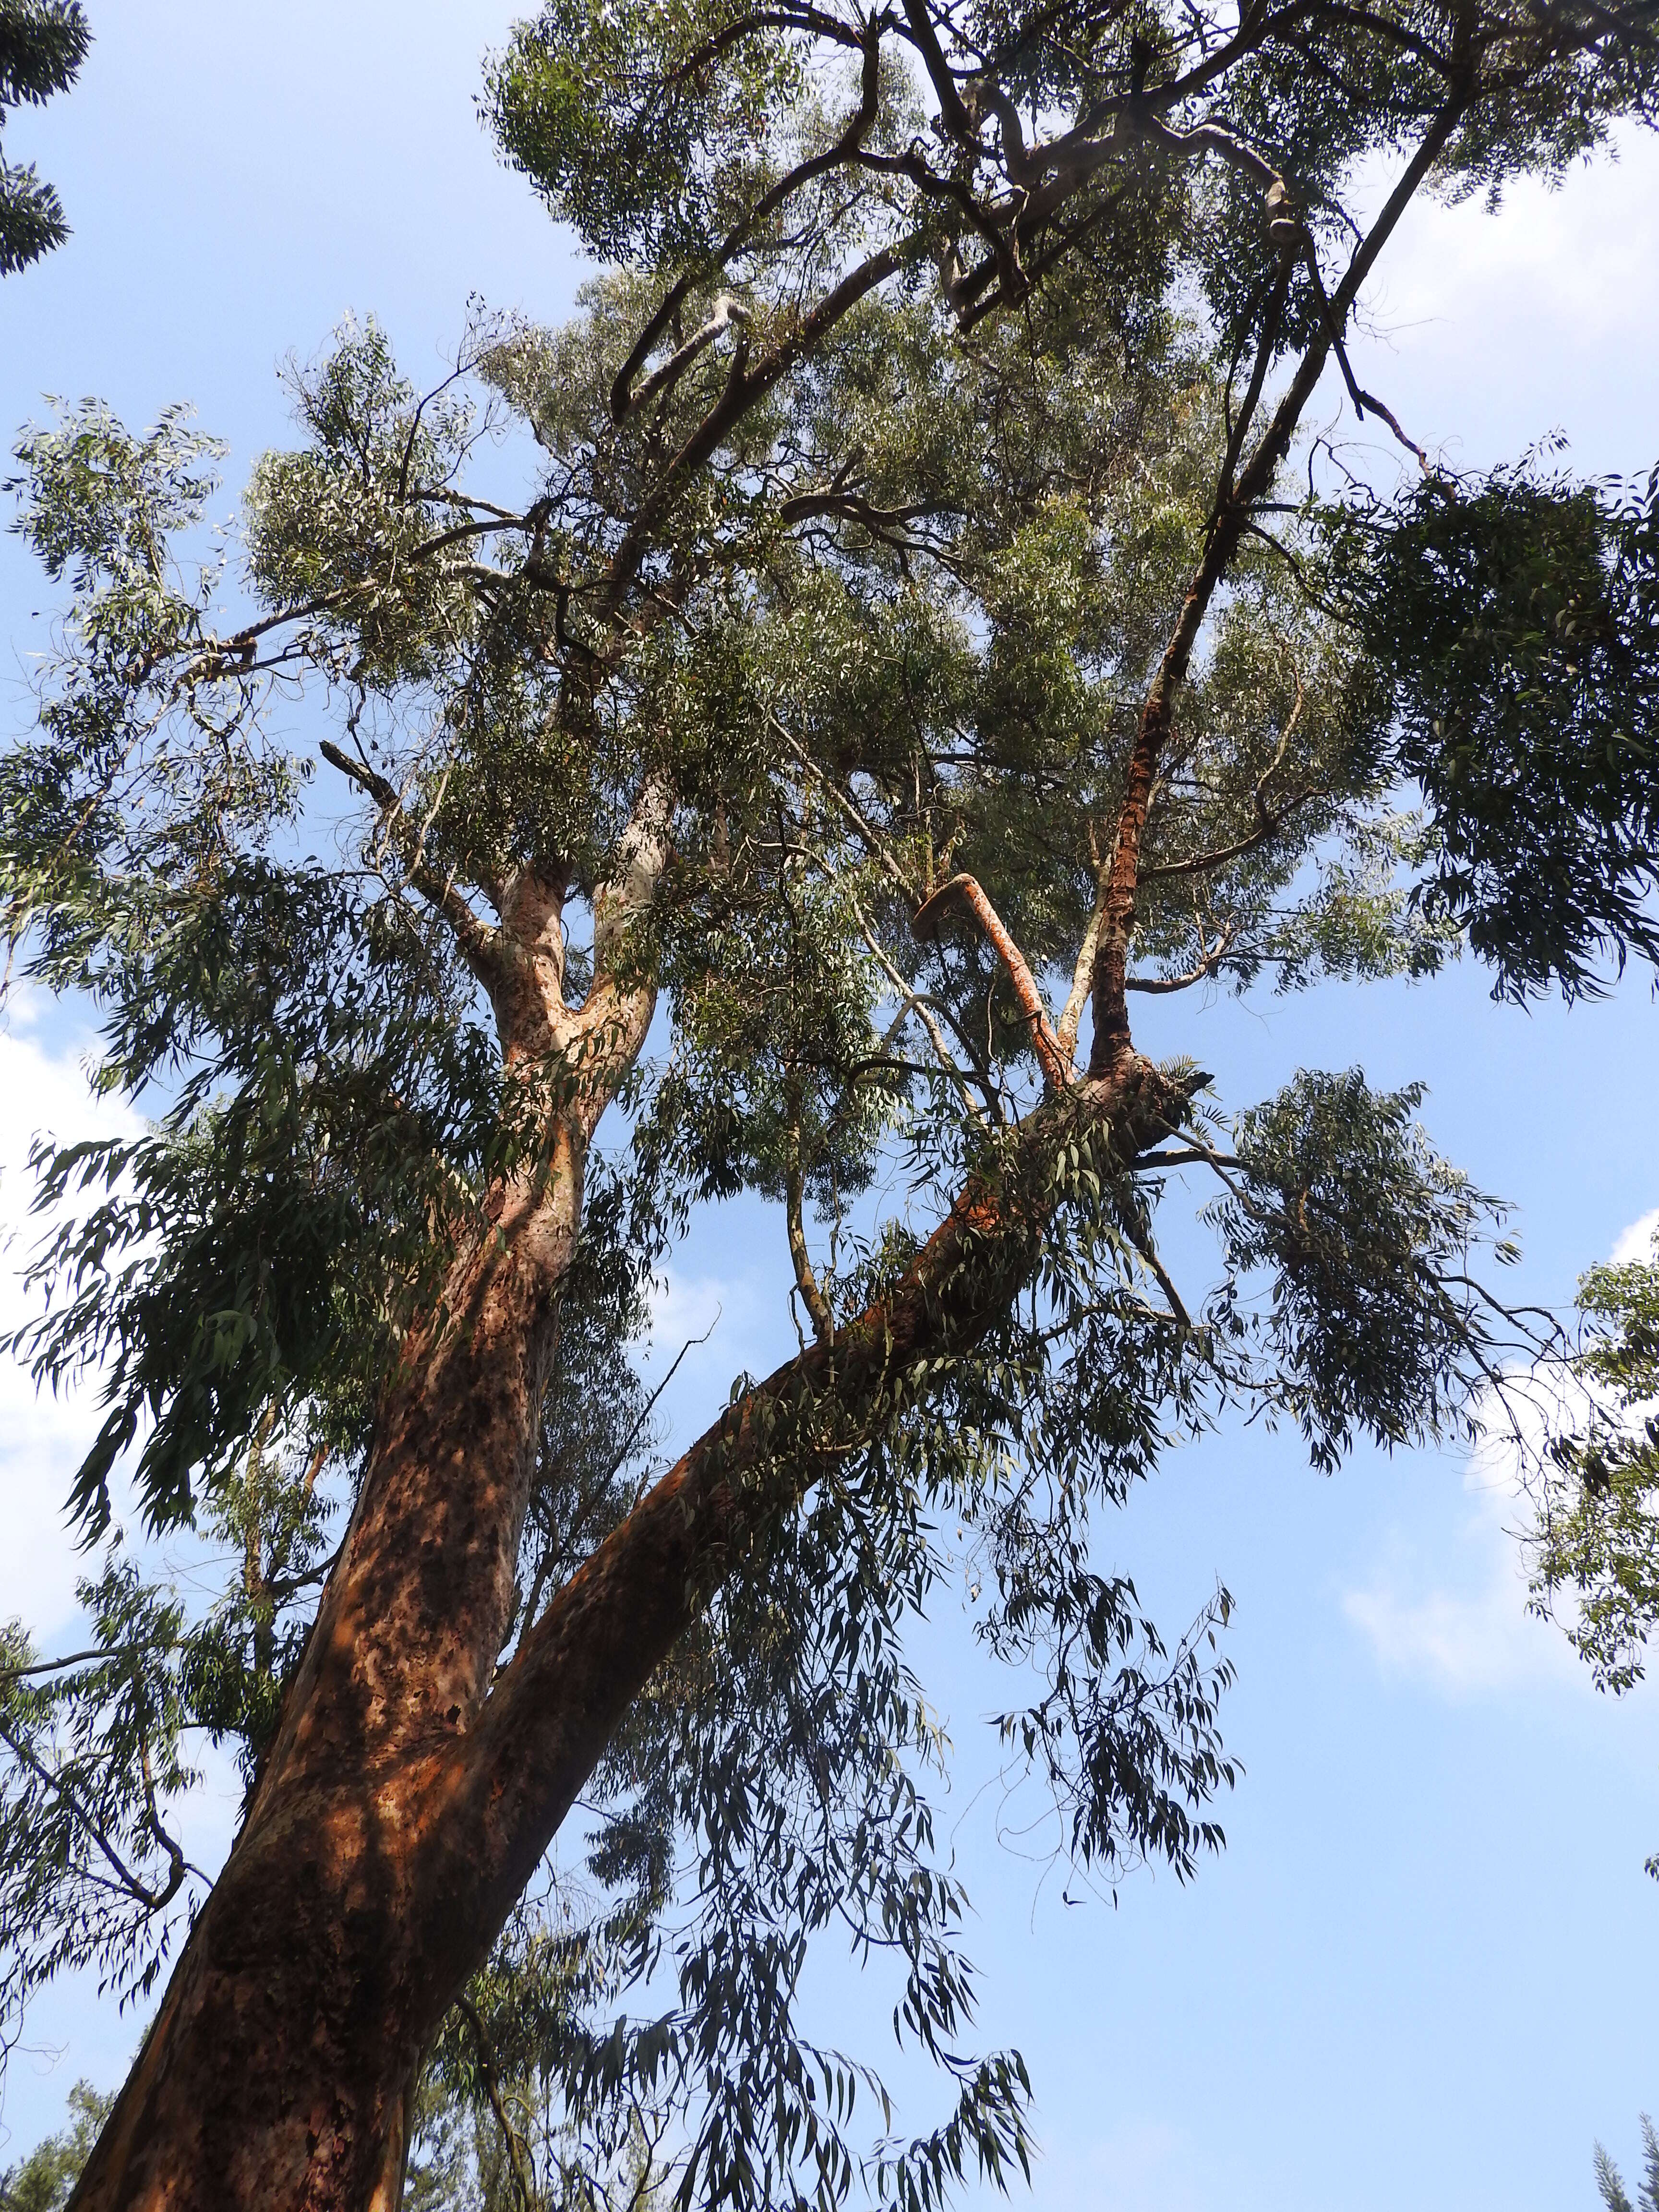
(282, 1212)
(645, 126)
(88, 1865)
(861, 594)
(1598, 1529)
(43, 2182)
(252, 1255)
(347, 524)
(1610, 2183)
(1376, 1324)
(43, 44)
(1516, 622)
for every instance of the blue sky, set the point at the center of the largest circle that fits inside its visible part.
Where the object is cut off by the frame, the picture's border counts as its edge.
(1422, 1972)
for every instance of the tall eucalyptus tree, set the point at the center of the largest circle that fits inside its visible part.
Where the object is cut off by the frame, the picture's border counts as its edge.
(913, 643)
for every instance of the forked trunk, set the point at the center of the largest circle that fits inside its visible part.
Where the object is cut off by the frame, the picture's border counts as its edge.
(409, 1796)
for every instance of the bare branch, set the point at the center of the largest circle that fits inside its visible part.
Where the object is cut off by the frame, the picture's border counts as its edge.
(479, 944)
(469, 2013)
(1052, 1060)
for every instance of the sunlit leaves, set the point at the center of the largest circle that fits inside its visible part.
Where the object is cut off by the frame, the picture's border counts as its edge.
(347, 528)
(149, 770)
(1596, 1549)
(645, 126)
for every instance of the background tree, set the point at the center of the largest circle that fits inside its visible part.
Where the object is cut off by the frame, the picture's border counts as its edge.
(1610, 2183)
(913, 647)
(42, 2183)
(1595, 1539)
(43, 44)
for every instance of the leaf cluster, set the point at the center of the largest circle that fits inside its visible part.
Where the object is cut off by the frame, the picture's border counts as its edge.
(1516, 623)
(1596, 1538)
(43, 44)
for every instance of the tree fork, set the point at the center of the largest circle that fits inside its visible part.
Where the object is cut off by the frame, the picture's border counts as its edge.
(382, 1854)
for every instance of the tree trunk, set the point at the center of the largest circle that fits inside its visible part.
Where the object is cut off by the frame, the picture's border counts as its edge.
(408, 1798)
(339, 1929)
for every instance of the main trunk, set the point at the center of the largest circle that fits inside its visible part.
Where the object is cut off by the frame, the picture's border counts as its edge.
(355, 1901)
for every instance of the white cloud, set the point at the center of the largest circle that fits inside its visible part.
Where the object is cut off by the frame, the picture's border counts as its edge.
(1557, 288)
(1636, 1243)
(44, 1091)
(1584, 250)
(1471, 1635)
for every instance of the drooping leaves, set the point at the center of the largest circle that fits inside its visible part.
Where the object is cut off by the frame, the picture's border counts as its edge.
(43, 44)
(1516, 622)
(1377, 1325)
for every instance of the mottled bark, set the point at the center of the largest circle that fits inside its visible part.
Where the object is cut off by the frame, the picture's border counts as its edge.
(353, 1904)
(277, 2073)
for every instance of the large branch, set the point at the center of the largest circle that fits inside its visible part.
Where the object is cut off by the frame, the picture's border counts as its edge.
(556, 1707)
(1235, 504)
(1052, 1058)
(625, 399)
(416, 1607)
(478, 944)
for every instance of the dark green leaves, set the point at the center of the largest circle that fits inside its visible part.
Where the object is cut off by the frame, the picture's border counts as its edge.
(43, 44)
(1518, 622)
(1375, 1324)
(255, 1252)
(89, 1865)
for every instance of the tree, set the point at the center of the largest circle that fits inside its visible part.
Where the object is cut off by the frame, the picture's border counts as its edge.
(1610, 2183)
(914, 646)
(43, 44)
(44, 2180)
(1595, 1537)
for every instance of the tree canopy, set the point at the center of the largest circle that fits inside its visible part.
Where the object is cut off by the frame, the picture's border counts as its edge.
(920, 631)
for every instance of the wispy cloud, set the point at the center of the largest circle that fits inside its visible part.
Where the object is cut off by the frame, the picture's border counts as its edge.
(1471, 1633)
(43, 1093)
